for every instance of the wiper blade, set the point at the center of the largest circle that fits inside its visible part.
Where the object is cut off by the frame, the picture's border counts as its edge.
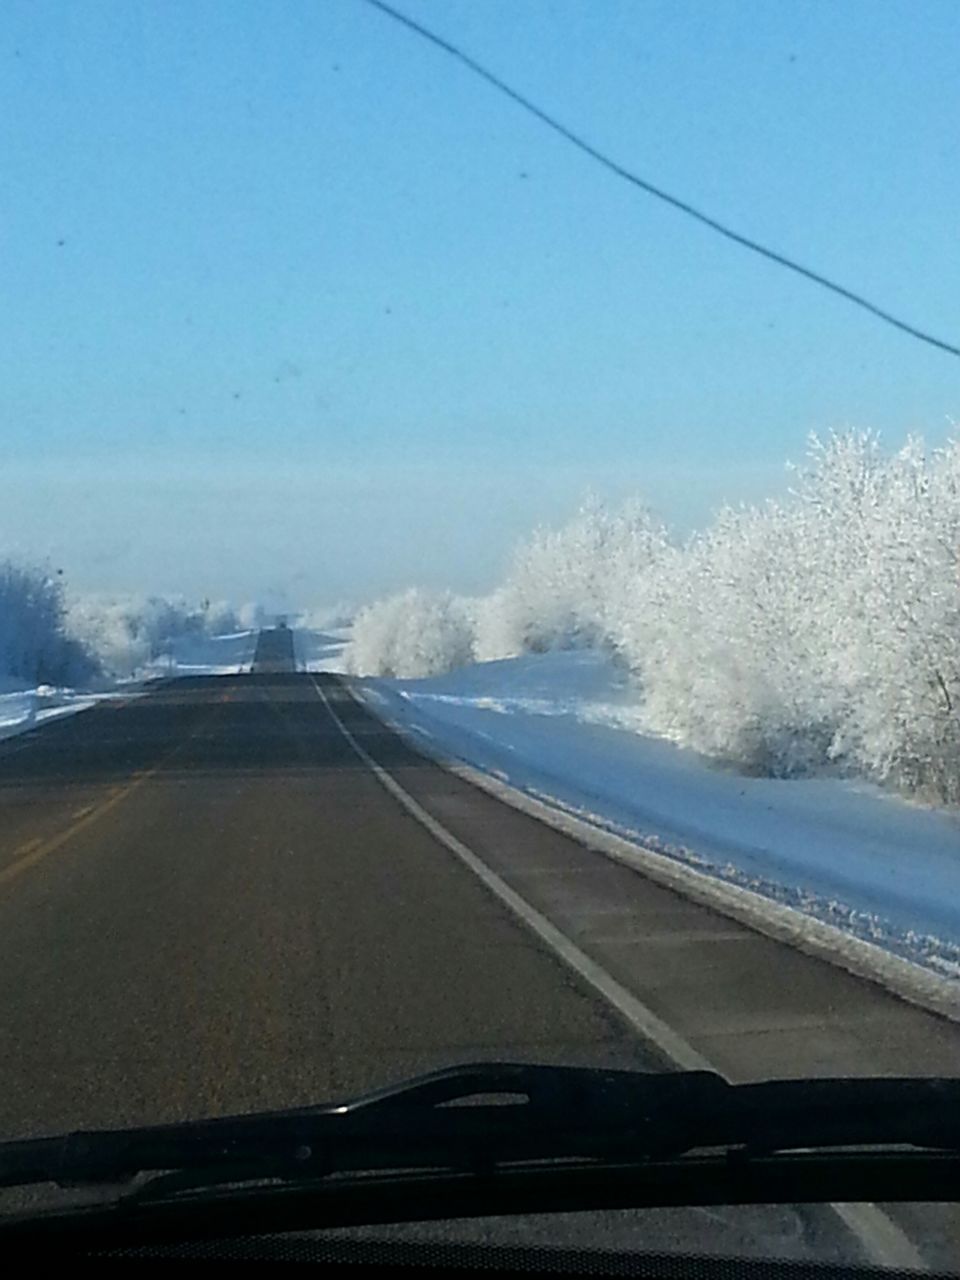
(517, 1113)
(408, 1123)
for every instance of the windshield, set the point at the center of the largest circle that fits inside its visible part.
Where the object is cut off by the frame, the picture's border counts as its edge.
(479, 559)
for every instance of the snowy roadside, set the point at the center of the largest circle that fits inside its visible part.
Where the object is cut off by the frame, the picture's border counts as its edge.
(562, 727)
(199, 655)
(23, 709)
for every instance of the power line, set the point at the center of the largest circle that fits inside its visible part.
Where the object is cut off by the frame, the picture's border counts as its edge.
(595, 154)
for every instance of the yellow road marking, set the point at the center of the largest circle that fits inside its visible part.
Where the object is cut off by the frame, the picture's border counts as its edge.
(30, 856)
(33, 851)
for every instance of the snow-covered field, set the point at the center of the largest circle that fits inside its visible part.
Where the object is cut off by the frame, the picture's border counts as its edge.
(564, 726)
(199, 655)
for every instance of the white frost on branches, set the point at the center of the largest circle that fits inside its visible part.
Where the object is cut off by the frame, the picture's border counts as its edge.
(124, 633)
(416, 633)
(819, 631)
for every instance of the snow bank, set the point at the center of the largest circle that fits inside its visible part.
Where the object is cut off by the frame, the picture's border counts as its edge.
(564, 726)
(818, 633)
(23, 709)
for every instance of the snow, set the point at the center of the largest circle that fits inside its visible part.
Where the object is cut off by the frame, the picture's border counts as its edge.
(819, 631)
(565, 726)
(197, 654)
(126, 635)
(23, 709)
(414, 633)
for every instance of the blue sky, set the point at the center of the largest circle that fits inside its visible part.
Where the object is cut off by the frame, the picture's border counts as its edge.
(292, 302)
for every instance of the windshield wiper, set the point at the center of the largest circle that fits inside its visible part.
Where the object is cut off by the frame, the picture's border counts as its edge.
(510, 1123)
(517, 1111)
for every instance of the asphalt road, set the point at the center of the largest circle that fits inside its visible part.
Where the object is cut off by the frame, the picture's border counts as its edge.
(274, 654)
(209, 903)
(240, 917)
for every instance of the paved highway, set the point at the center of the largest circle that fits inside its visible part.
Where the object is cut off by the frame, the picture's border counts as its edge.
(274, 654)
(210, 902)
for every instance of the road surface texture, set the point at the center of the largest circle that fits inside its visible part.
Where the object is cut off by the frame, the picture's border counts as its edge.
(274, 652)
(210, 903)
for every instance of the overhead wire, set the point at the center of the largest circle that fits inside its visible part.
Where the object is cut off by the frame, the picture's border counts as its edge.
(650, 188)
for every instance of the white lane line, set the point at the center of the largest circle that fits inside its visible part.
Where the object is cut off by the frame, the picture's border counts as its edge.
(640, 1018)
(881, 1239)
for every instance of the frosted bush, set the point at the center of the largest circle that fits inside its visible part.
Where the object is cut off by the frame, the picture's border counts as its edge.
(34, 645)
(819, 631)
(110, 629)
(725, 645)
(564, 585)
(822, 630)
(220, 618)
(414, 634)
(497, 625)
(895, 594)
(125, 633)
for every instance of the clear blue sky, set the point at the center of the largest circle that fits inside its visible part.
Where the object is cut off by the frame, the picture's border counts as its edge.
(290, 301)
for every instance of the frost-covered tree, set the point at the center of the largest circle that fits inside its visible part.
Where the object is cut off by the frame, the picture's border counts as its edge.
(893, 579)
(417, 633)
(564, 585)
(110, 628)
(127, 632)
(219, 618)
(822, 630)
(34, 645)
(716, 632)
